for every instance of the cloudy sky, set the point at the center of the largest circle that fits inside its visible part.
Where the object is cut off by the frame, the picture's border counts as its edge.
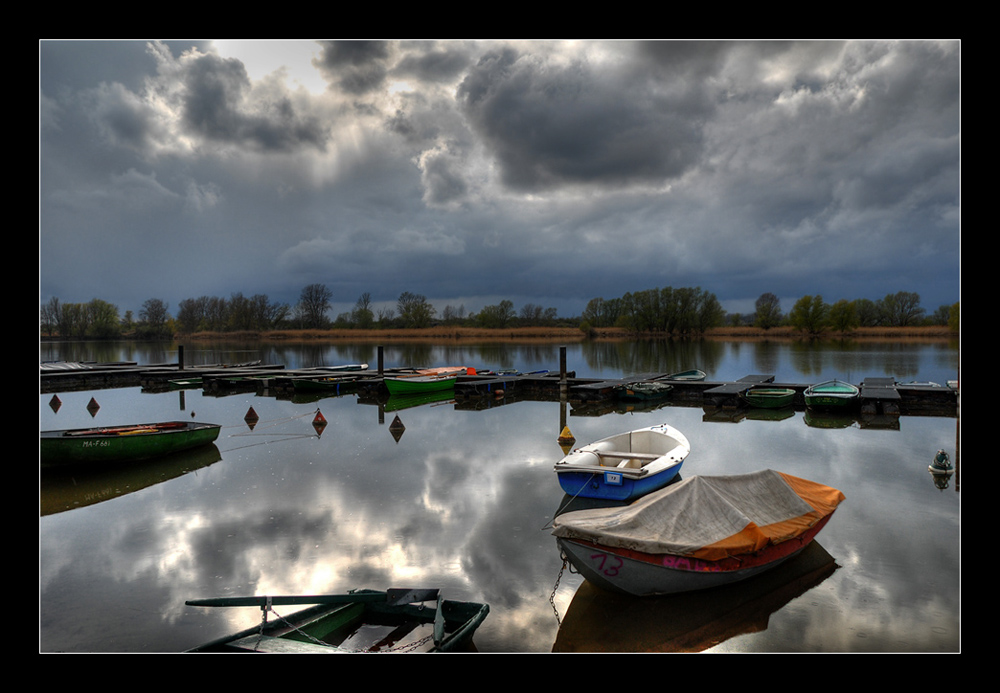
(475, 171)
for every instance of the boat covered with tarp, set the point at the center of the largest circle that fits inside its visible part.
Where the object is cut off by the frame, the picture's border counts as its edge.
(698, 533)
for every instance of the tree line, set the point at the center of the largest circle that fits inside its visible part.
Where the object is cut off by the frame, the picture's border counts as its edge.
(99, 319)
(680, 311)
(812, 315)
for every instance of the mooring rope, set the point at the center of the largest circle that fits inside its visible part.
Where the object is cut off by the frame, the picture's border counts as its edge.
(271, 424)
(567, 503)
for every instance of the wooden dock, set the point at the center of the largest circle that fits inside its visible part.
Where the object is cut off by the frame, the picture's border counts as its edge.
(879, 395)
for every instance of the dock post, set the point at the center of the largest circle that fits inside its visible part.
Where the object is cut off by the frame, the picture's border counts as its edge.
(563, 384)
(381, 359)
(180, 357)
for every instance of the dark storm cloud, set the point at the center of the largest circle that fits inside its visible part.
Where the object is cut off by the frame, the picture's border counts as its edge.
(552, 125)
(548, 172)
(217, 106)
(356, 67)
(433, 62)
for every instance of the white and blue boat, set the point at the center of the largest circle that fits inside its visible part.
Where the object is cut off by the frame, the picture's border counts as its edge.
(624, 466)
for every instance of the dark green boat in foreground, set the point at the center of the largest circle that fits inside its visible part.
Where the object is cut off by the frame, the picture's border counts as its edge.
(123, 443)
(397, 620)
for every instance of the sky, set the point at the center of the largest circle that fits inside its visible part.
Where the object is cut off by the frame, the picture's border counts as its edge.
(471, 172)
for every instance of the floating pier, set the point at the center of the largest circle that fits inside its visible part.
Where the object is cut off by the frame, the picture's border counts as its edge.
(878, 395)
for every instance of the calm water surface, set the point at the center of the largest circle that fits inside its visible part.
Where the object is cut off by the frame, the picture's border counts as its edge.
(463, 499)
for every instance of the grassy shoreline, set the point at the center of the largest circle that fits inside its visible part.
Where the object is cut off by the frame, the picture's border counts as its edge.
(563, 334)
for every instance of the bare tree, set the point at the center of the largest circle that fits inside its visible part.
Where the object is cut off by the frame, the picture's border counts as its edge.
(313, 304)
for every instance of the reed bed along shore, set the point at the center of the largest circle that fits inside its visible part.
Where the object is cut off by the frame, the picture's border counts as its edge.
(440, 334)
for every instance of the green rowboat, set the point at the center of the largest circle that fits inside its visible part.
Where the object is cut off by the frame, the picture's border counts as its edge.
(123, 443)
(413, 384)
(693, 374)
(359, 621)
(643, 390)
(769, 397)
(831, 394)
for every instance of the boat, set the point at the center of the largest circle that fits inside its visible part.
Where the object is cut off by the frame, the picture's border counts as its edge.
(597, 620)
(643, 390)
(123, 443)
(185, 383)
(693, 374)
(941, 464)
(702, 532)
(624, 466)
(347, 367)
(420, 382)
(831, 394)
(358, 621)
(766, 397)
(332, 384)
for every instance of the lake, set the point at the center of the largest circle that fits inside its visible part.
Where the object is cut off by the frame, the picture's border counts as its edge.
(463, 500)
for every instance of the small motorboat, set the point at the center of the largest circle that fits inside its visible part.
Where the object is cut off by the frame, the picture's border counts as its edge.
(624, 466)
(123, 443)
(396, 620)
(701, 532)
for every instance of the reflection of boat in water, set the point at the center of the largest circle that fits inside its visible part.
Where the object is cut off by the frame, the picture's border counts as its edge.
(601, 621)
(359, 621)
(703, 532)
(408, 401)
(626, 465)
(828, 419)
(779, 414)
(67, 488)
(123, 443)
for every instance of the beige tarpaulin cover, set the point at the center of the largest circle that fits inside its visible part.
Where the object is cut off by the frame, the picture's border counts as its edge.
(708, 517)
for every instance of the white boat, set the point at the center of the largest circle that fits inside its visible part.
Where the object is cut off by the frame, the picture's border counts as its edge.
(624, 466)
(702, 532)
